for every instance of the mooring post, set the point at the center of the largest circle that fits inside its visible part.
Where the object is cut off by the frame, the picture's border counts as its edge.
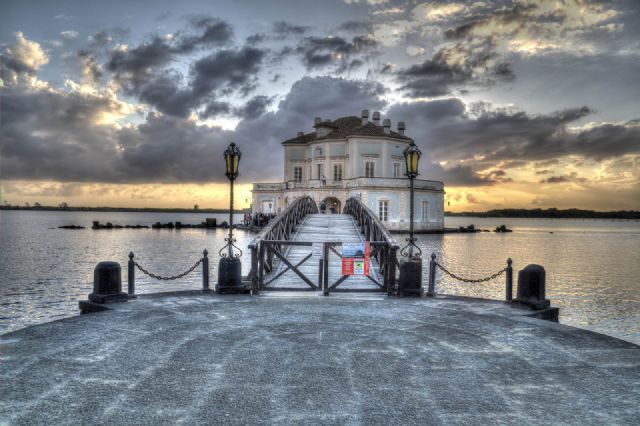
(432, 276)
(205, 271)
(131, 284)
(509, 286)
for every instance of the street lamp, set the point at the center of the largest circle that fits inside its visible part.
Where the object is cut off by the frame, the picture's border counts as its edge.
(410, 282)
(411, 158)
(230, 268)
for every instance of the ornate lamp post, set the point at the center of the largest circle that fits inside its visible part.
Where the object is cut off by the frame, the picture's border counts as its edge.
(230, 268)
(410, 283)
(411, 157)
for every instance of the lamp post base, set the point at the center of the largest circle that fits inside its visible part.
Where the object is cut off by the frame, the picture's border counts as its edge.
(230, 276)
(410, 282)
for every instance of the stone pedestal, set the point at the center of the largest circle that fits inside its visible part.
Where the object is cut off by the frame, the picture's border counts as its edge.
(531, 287)
(410, 282)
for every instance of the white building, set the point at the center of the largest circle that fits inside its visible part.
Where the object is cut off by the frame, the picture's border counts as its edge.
(349, 157)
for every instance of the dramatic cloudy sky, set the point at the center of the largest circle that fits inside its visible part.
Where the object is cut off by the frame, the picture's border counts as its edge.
(515, 103)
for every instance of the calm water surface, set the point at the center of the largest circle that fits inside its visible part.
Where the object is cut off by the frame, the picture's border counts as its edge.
(592, 265)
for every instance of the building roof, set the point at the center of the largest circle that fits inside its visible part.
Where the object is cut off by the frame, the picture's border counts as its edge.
(343, 127)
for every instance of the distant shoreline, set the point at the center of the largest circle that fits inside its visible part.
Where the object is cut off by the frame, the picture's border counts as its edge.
(505, 213)
(550, 214)
(120, 209)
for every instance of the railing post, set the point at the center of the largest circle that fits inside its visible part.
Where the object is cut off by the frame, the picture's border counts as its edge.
(205, 271)
(261, 266)
(432, 276)
(509, 286)
(325, 273)
(391, 271)
(131, 271)
(254, 270)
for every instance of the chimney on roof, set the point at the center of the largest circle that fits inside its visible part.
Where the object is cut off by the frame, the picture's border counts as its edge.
(316, 121)
(387, 125)
(376, 118)
(365, 116)
(401, 127)
(300, 134)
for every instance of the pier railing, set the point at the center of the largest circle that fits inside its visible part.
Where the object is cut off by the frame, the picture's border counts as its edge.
(507, 271)
(384, 248)
(133, 264)
(278, 230)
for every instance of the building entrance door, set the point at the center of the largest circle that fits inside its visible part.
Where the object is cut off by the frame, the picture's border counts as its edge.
(331, 205)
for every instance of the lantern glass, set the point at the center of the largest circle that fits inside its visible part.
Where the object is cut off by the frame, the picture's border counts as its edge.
(411, 158)
(232, 160)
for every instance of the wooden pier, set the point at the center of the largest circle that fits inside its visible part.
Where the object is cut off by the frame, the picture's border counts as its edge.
(302, 250)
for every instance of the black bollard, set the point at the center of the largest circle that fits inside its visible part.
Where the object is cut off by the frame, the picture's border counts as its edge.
(107, 283)
(107, 288)
(229, 275)
(410, 283)
(531, 287)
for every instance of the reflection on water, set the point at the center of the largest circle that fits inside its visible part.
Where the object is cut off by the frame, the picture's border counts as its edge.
(592, 265)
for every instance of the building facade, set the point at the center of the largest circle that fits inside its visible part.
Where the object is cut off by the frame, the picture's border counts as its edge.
(352, 156)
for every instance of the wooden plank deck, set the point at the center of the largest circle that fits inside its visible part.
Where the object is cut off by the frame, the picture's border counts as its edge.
(318, 228)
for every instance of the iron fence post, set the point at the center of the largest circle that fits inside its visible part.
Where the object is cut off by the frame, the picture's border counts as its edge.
(254, 270)
(261, 266)
(131, 285)
(205, 271)
(325, 274)
(391, 275)
(509, 286)
(432, 276)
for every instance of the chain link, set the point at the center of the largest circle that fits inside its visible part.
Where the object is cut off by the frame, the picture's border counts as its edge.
(468, 280)
(157, 277)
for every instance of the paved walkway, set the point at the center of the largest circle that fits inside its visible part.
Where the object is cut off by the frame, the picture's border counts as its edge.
(320, 228)
(308, 359)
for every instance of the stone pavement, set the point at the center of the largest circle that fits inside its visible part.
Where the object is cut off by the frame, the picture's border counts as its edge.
(308, 359)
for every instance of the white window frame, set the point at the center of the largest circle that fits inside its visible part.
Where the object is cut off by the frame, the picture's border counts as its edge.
(383, 210)
(320, 170)
(370, 168)
(397, 169)
(337, 172)
(297, 177)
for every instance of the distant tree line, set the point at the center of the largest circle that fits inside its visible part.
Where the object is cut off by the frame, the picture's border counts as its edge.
(66, 207)
(553, 213)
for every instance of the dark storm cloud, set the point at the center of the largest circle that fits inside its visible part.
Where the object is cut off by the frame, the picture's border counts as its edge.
(453, 67)
(254, 108)
(447, 132)
(214, 109)
(320, 52)
(572, 177)
(355, 26)
(138, 60)
(282, 29)
(51, 135)
(145, 71)
(503, 16)
(226, 70)
(210, 32)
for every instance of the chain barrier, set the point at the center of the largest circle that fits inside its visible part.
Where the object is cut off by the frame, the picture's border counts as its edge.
(157, 277)
(470, 280)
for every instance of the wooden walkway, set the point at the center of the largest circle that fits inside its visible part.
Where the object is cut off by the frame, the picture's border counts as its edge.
(319, 228)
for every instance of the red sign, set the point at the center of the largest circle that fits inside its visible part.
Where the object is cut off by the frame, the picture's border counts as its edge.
(355, 258)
